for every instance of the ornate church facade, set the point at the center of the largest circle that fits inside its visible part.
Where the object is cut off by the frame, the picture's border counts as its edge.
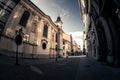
(41, 36)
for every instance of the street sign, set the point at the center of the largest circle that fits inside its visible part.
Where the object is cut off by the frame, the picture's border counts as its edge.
(18, 39)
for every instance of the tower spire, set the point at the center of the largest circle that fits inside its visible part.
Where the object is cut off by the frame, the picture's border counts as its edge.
(59, 22)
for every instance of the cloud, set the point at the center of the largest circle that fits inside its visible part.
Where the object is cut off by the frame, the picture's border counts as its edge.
(61, 1)
(64, 13)
(77, 34)
(59, 10)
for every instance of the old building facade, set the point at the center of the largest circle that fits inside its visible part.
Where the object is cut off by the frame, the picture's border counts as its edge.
(102, 31)
(41, 36)
(66, 44)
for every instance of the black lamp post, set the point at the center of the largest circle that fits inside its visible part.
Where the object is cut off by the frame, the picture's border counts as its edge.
(18, 41)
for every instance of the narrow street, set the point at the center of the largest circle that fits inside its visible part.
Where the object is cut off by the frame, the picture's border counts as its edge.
(59, 39)
(73, 68)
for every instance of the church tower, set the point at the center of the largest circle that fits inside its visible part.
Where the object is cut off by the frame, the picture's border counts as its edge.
(59, 23)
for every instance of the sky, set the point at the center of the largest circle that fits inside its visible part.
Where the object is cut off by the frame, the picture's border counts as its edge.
(69, 12)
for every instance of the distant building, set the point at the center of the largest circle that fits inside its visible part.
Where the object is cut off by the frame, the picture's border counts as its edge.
(69, 45)
(66, 44)
(75, 47)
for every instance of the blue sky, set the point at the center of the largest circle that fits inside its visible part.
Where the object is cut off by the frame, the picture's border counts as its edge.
(69, 12)
(67, 9)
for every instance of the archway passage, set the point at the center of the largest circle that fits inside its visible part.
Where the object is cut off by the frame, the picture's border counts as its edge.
(102, 42)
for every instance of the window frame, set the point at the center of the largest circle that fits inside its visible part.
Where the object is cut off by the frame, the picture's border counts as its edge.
(45, 31)
(24, 18)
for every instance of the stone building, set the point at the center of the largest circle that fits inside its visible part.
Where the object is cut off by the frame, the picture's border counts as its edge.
(66, 44)
(101, 19)
(41, 36)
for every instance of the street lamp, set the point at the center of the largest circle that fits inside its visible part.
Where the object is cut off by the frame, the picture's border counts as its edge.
(18, 41)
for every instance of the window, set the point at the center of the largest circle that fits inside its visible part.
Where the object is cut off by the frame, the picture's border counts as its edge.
(24, 18)
(87, 6)
(1, 29)
(5, 12)
(63, 43)
(12, 5)
(56, 47)
(44, 45)
(4, 17)
(2, 12)
(56, 37)
(34, 25)
(45, 31)
(4, 1)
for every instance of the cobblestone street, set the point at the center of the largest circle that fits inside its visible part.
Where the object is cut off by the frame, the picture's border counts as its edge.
(73, 68)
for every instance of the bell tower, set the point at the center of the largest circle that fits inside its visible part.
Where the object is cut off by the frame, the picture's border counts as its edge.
(58, 22)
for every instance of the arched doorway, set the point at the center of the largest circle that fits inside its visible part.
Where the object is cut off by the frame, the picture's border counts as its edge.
(102, 42)
(105, 41)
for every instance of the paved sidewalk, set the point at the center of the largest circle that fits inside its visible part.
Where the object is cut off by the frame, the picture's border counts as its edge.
(25, 61)
(90, 69)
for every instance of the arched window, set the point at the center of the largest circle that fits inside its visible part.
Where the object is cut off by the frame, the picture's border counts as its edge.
(24, 18)
(34, 26)
(45, 31)
(44, 45)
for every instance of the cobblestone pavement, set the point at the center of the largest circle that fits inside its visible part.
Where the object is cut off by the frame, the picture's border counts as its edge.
(73, 68)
